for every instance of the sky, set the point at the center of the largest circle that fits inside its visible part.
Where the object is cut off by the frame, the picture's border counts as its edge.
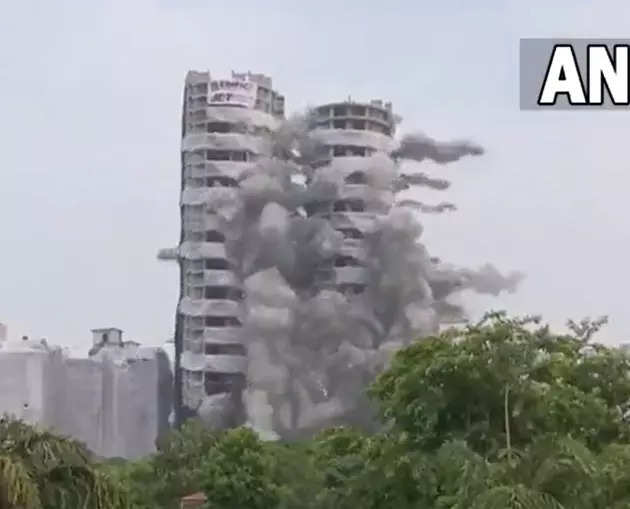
(90, 105)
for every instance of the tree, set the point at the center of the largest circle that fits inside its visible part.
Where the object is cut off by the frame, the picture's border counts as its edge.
(503, 414)
(39, 470)
(233, 467)
(143, 489)
(177, 464)
(371, 471)
(162, 479)
(501, 383)
(551, 472)
(241, 471)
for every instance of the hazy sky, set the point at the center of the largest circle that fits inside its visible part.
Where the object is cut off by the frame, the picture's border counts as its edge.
(90, 104)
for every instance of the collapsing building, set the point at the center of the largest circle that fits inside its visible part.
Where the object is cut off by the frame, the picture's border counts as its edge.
(347, 135)
(226, 128)
(300, 269)
(116, 402)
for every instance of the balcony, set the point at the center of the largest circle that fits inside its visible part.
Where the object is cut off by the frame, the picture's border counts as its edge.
(209, 195)
(212, 278)
(226, 363)
(205, 169)
(229, 141)
(376, 164)
(168, 253)
(211, 307)
(224, 334)
(202, 250)
(356, 138)
(247, 116)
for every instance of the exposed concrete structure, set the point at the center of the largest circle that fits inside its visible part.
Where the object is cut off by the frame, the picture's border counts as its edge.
(302, 216)
(226, 129)
(355, 141)
(116, 402)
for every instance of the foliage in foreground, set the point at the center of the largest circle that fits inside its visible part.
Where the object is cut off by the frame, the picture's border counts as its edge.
(504, 414)
(39, 470)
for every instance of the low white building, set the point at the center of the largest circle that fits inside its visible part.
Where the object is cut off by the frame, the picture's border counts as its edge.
(116, 401)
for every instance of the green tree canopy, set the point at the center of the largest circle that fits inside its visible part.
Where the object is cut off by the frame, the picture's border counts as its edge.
(502, 414)
(502, 383)
(39, 470)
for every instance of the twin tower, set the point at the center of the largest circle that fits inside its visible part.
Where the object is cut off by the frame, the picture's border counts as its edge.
(228, 128)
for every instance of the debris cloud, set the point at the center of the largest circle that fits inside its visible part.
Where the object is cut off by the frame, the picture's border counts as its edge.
(314, 345)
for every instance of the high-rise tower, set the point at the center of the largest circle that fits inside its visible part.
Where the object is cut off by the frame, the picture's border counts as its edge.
(356, 141)
(226, 127)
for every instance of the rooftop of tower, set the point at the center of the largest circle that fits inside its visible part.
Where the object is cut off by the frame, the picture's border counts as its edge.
(375, 115)
(244, 89)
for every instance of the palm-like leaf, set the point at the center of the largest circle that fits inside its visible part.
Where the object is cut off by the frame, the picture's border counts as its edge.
(41, 470)
(17, 487)
(462, 475)
(515, 497)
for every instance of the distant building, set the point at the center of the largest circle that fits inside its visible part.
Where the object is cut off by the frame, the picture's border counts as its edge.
(117, 401)
(3, 332)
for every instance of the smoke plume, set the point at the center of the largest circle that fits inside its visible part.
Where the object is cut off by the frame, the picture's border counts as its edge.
(419, 147)
(315, 345)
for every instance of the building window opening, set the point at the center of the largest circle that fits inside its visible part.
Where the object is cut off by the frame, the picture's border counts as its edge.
(351, 288)
(218, 155)
(214, 236)
(240, 156)
(225, 349)
(351, 233)
(358, 151)
(347, 261)
(356, 205)
(219, 127)
(195, 183)
(339, 151)
(340, 111)
(339, 124)
(358, 124)
(194, 321)
(312, 208)
(222, 321)
(349, 206)
(217, 383)
(379, 114)
(358, 111)
(357, 177)
(201, 88)
(217, 264)
(220, 181)
(223, 293)
(340, 206)
(195, 292)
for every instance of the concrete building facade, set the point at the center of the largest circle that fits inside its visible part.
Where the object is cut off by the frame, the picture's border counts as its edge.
(356, 140)
(116, 402)
(226, 128)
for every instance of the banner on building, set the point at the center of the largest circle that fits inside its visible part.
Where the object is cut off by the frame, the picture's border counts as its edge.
(233, 92)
